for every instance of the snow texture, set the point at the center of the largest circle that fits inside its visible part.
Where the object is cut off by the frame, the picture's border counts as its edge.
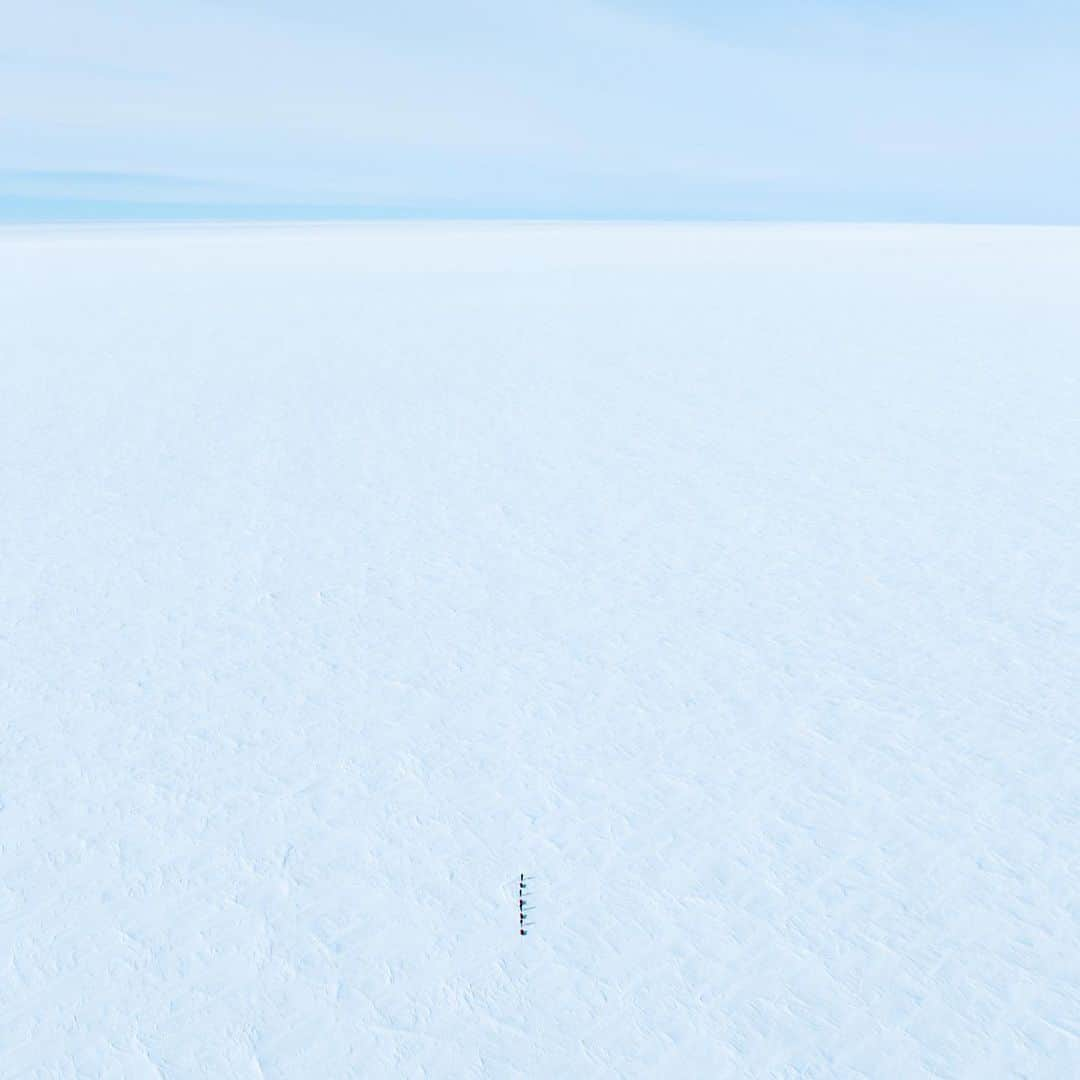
(723, 579)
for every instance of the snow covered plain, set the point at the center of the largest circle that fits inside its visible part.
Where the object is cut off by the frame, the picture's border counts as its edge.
(726, 580)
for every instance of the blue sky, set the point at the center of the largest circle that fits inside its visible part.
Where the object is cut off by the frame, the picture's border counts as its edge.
(779, 109)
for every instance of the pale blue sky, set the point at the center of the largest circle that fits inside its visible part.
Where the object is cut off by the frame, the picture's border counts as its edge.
(778, 109)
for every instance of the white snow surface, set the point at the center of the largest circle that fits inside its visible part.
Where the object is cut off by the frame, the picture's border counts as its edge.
(725, 580)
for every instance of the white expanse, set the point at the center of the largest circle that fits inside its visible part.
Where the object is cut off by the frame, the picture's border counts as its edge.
(724, 579)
